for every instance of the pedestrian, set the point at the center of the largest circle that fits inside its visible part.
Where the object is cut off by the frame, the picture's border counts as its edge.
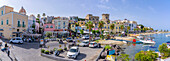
(6, 44)
(8, 51)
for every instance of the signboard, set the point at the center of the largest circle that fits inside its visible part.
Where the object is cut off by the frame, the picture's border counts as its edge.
(41, 41)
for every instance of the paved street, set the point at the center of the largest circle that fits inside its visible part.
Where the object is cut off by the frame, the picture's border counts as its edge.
(86, 53)
(26, 52)
(31, 52)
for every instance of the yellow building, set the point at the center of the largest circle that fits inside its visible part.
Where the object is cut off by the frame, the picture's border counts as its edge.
(12, 24)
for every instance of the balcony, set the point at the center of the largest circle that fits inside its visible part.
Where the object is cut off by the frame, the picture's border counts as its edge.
(23, 25)
(19, 25)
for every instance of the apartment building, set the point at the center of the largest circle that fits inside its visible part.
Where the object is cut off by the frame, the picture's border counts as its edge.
(13, 24)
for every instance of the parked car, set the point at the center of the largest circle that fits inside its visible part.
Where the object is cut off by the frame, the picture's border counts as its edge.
(73, 52)
(16, 40)
(93, 44)
(84, 43)
(85, 37)
(69, 39)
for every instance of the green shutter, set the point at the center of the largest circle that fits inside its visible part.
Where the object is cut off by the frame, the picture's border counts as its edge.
(18, 23)
(2, 22)
(2, 12)
(7, 22)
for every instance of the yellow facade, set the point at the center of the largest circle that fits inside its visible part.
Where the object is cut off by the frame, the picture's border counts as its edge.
(12, 24)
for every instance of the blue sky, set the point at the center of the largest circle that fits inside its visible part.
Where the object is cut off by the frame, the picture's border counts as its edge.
(152, 13)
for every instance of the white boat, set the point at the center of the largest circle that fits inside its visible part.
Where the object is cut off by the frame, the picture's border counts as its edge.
(167, 35)
(124, 42)
(148, 41)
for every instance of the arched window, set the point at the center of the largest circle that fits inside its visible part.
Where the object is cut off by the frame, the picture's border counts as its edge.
(23, 24)
(2, 12)
(1, 22)
(51, 26)
(7, 21)
(47, 26)
(19, 23)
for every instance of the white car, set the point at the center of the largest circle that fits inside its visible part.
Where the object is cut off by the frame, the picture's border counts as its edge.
(84, 43)
(85, 37)
(93, 44)
(73, 52)
(16, 40)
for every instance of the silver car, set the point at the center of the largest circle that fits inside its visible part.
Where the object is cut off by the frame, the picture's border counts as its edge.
(84, 43)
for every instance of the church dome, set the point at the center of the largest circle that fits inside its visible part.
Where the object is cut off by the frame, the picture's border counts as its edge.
(22, 11)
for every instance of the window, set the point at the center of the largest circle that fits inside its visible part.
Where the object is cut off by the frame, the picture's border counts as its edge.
(64, 27)
(132, 25)
(63, 23)
(116, 27)
(108, 27)
(2, 22)
(81, 22)
(129, 24)
(106, 17)
(72, 25)
(51, 26)
(47, 26)
(105, 27)
(23, 24)
(2, 12)
(19, 23)
(7, 21)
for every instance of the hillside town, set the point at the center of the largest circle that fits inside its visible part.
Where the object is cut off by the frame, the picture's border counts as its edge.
(41, 36)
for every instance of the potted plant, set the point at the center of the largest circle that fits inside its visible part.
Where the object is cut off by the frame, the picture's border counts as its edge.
(42, 50)
(51, 51)
(54, 49)
(46, 52)
(60, 50)
(65, 48)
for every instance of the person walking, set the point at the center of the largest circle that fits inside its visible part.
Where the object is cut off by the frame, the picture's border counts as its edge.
(8, 52)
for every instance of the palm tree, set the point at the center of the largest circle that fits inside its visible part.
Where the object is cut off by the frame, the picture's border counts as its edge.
(134, 30)
(76, 24)
(122, 27)
(82, 32)
(100, 26)
(44, 14)
(112, 26)
(89, 26)
(128, 28)
(38, 16)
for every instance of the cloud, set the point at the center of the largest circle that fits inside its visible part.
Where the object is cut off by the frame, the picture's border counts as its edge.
(104, 1)
(106, 7)
(152, 9)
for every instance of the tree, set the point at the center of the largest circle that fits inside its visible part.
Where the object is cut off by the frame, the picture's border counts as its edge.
(97, 31)
(141, 26)
(112, 26)
(122, 27)
(89, 26)
(161, 30)
(48, 34)
(167, 30)
(44, 14)
(93, 31)
(82, 32)
(128, 28)
(146, 56)
(38, 16)
(76, 24)
(100, 26)
(165, 52)
(124, 57)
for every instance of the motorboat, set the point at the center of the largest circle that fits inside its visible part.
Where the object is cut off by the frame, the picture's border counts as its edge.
(124, 42)
(167, 35)
(140, 36)
(148, 41)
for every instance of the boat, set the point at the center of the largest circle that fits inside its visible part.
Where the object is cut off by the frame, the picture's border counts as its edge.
(124, 42)
(148, 41)
(167, 35)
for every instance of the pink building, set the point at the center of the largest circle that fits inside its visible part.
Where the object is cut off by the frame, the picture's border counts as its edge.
(49, 27)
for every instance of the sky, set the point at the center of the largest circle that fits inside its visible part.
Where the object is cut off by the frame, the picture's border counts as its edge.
(150, 13)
